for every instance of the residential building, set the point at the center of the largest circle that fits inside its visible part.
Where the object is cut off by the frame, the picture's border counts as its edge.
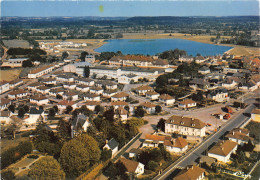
(167, 99)
(49, 81)
(142, 90)
(148, 107)
(223, 150)
(139, 61)
(121, 96)
(239, 135)
(152, 95)
(108, 85)
(117, 104)
(17, 62)
(112, 145)
(40, 71)
(4, 87)
(132, 167)
(204, 70)
(35, 116)
(185, 58)
(199, 83)
(218, 95)
(191, 172)
(43, 89)
(92, 104)
(17, 94)
(70, 85)
(249, 86)
(56, 91)
(128, 79)
(121, 113)
(15, 83)
(109, 93)
(255, 115)
(187, 103)
(33, 86)
(91, 97)
(4, 103)
(70, 95)
(65, 78)
(83, 88)
(81, 123)
(39, 100)
(5, 117)
(62, 105)
(185, 126)
(90, 58)
(134, 153)
(85, 81)
(96, 90)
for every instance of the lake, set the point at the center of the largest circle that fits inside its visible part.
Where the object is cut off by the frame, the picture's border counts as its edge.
(154, 46)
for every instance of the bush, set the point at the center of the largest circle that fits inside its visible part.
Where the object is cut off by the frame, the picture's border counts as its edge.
(8, 175)
(152, 165)
(33, 156)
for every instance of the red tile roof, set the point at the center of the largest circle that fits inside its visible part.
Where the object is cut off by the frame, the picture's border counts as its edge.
(223, 148)
(66, 103)
(190, 173)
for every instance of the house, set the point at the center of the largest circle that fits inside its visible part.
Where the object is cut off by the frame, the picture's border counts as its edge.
(138, 61)
(49, 81)
(113, 145)
(70, 95)
(223, 150)
(199, 83)
(84, 81)
(65, 78)
(91, 97)
(148, 107)
(185, 58)
(121, 96)
(255, 115)
(82, 88)
(62, 105)
(56, 91)
(173, 145)
(249, 86)
(40, 71)
(96, 90)
(92, 104)
(70, 85)
(121, 113)
(191, 172)
(166, 99)
(152, 95)
(187, 103)
(231, 83)
(90, 58)
(200, 59)
(43, 89)
(132, 167)
(108, 85)
(17, 62)
(109, 93)
(142, 90)
(239, 135)
(134, 153)
(4, 103)
(185, 126)
(81, 123)
(204, 70)
(128, 79)
(33, 86)
(16, 94)
(117, 104)
(39, 100)
(218, 95)
(15, 83)
(4, 86)
(5, 117)
(35, 116)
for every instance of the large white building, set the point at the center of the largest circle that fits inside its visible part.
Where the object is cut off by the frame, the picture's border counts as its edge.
(18, 62)
(4, 86)
(40, 71)
(185, 126)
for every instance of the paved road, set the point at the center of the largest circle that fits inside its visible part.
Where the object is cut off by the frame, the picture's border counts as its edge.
(197, 152)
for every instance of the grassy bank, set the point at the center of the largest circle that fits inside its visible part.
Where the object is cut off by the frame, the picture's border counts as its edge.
(9, 74)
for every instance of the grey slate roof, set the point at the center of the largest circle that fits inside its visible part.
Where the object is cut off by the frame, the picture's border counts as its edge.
(112, 143)
(35, 111)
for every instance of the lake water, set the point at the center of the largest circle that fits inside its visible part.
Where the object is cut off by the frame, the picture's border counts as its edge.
(154, 46)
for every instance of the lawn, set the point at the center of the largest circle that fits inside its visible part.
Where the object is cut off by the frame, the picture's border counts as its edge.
(8, 143)
(10, 74)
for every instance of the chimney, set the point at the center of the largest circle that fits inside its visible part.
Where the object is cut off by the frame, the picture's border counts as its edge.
(233, 133)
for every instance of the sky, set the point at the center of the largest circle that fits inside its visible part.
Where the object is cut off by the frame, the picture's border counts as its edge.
(108, 8)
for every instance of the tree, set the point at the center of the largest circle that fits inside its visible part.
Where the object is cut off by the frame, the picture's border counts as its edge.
(117, 171)
(158, 109)
(7, 175)
(83, 55)
(97, 109)
(106, 154)
(68, 109)
(65, 54)
(86, 71)
(52, 112)
(55, 108)
(21, 112)
(162, 80)
(161, 124)
(26, 108)
(47, 168)
(78, 154)
(11, 108)
(58, 96)
(64, 130)
(27, 63)
(109, 114)
(41, 108)
(139, 112)
(152, 165)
